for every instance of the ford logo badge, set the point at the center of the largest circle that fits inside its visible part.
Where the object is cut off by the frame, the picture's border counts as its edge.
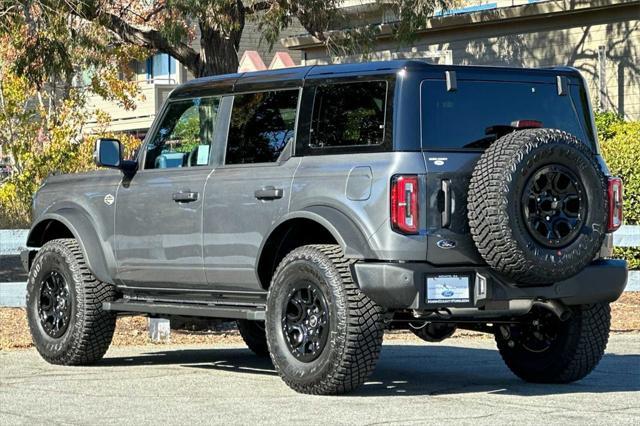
(446, 244)
(447, 293)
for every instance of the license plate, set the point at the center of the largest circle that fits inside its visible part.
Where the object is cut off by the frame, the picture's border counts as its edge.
(448, 289)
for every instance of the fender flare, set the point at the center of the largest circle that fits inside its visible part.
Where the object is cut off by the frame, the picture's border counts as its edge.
(344, 230)
(95, 250)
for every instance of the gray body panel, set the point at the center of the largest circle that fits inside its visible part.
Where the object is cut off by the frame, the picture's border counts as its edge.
(159, 240)
(77, 201)
(236, 222)
(326, 180)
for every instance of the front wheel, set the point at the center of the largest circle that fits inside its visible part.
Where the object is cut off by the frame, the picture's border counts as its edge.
(64, 306)
(544, 349)
(324, 335)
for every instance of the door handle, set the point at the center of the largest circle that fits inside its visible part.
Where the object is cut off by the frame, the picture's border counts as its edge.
(446, 211)
(269, 193)
(185, 197)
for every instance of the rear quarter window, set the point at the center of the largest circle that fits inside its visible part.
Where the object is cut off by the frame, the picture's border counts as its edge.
(349, 114)
(454, 120)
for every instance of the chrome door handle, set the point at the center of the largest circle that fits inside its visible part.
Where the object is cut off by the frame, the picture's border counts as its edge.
(185, 197)
(269, 193)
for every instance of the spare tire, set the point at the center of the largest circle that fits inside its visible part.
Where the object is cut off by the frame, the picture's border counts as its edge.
(537, 206)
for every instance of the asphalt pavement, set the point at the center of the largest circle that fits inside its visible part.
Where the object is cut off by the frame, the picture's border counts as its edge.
(459, 381)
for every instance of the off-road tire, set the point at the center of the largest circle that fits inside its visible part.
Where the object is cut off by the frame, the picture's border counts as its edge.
(356, 323)
(577, 350)
(90, 328)
(494, 206)
(254, 335)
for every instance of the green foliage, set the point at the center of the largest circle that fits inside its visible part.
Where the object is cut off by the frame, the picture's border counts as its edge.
(631, 254)
(604, 122)
(187, 131)
(42, 138)
(620, 144)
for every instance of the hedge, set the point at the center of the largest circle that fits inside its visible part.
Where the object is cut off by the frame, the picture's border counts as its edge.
(620, 144)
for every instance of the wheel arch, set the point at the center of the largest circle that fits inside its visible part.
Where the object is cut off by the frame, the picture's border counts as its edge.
(70, 222)
(313, 225)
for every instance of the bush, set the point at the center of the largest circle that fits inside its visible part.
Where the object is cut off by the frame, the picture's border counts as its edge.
(630, 254)
(620, 143)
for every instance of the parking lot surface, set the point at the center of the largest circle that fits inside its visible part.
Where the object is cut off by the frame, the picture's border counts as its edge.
(460, 381)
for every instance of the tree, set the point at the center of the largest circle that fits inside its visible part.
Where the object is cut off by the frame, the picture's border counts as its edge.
(168, 26)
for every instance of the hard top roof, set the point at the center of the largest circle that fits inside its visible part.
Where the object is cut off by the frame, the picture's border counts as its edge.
(295, 76)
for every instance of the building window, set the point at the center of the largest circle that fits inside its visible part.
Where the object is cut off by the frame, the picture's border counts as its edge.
(162, 68)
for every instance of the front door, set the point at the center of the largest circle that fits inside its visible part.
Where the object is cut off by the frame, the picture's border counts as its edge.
(250, 192)
(159, 210)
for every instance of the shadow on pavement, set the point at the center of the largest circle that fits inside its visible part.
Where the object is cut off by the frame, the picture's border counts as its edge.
(417, 370)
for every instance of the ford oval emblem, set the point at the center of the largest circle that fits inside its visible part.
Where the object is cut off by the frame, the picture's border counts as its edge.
(447, 293)
(446, 244)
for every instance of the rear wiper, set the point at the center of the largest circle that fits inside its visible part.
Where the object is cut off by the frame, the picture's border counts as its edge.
(482, 142)
(499, 130)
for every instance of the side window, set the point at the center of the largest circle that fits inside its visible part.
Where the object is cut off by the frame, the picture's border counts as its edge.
(349, 114)
(261, 125)
(185, 135)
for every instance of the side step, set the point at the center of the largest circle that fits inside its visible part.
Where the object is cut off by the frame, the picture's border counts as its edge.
(255, 313)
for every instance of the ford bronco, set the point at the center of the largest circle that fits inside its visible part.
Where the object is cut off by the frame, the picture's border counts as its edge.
(320, 205)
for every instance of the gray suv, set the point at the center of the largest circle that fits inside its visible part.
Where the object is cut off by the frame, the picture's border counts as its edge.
(319, 206)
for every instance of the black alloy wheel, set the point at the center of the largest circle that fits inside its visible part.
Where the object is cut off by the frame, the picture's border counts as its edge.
(541, 348)
(554, 206)
(537, 333)
(65, 306)
(305, 321)
(54, 304)
(324, 335)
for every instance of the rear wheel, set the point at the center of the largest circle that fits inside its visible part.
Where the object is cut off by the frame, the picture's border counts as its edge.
(544, 349)
(324, 335)
(64, 306)
(254, 335)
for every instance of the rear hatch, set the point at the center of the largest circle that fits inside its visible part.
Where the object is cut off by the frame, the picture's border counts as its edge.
(460, 118)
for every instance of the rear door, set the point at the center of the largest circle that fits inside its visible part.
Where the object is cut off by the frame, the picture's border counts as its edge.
(457, 128)
(158, 224)
(250, 192)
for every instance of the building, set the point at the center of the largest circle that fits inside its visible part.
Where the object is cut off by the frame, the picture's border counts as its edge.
(601, 38)
(160, 74)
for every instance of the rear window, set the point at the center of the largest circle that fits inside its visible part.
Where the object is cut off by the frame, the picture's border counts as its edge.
(462, 119)
(261, 126)
(349, 114)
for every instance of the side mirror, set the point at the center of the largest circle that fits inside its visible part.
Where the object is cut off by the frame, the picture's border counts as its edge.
(108, 153)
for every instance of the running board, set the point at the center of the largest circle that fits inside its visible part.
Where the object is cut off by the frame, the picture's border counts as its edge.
(255, 313)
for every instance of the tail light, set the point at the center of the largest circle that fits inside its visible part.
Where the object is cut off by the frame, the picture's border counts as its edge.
(615, 203)
(404, 204)
(527, 124)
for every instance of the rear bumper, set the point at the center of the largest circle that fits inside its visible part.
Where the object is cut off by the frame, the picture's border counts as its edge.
(403, 286)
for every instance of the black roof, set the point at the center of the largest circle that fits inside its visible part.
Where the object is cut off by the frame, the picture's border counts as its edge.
(293, 75)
